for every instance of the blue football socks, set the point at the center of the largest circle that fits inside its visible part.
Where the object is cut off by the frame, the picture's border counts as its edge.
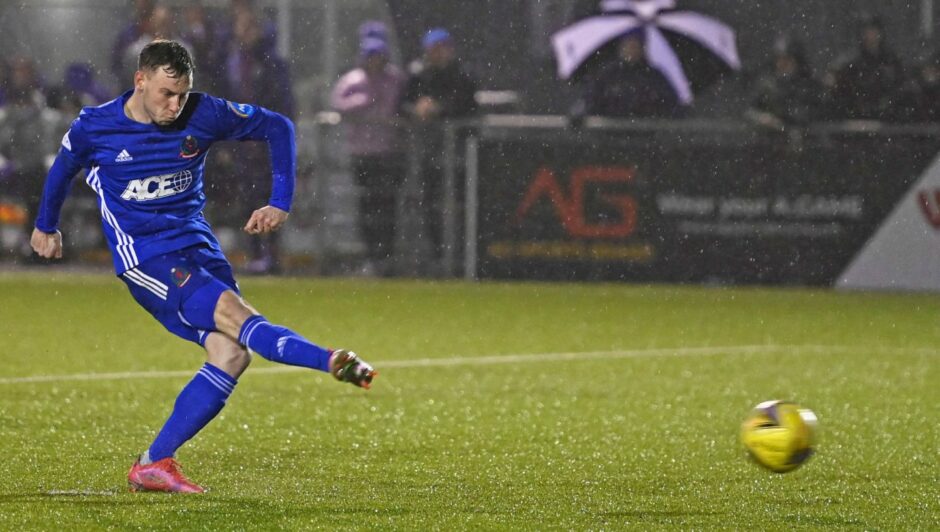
(200, 401)
(280, 344)
(203, 398)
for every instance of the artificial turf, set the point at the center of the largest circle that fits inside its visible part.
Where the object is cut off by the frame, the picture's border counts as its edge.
(498, 406)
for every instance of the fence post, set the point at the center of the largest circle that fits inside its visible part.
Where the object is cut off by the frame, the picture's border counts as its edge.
(471, 210)
(450, 198)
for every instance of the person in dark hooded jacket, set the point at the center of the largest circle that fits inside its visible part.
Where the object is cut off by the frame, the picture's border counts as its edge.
(788, 93)
(919, 99)
(864, 85)
(437, 89)
(630, 87)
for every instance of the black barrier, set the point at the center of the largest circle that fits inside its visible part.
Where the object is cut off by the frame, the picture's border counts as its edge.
(683, 201)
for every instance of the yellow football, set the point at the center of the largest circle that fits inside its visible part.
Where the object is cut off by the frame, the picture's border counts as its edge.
(779, 435)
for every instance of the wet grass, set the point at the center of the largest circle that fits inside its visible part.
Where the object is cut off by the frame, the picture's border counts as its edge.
(637, 440)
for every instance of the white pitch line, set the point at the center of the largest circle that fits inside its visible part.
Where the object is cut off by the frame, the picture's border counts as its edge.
(502, 359)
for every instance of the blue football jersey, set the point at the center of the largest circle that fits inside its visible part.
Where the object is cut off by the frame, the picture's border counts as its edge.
(149, 178)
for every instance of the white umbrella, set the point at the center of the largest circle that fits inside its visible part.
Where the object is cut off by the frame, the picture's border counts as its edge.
(659, 21)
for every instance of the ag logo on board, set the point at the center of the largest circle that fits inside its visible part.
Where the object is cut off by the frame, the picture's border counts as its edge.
(570, 205)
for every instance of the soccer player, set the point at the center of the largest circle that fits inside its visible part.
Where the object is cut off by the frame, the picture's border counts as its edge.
(145, 154)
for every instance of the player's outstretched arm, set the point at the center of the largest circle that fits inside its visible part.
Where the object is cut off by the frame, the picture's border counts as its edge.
(46, 239)
(47, 245)
(267, 219)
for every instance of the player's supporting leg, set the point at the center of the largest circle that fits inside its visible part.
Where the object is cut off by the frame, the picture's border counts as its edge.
(199, 402)
(280, 344)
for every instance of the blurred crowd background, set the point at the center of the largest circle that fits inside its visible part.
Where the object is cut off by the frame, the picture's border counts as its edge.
(370, 84)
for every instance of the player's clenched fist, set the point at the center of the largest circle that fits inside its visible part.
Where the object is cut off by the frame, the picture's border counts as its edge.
(265, 220)
(47, 245)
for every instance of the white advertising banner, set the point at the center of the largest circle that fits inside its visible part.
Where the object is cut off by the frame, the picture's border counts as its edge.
(904, 254)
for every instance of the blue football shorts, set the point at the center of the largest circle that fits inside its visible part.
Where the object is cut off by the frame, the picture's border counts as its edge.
(180, 289)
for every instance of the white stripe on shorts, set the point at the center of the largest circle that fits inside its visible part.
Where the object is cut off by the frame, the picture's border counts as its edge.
(146, 277)
(133, 276)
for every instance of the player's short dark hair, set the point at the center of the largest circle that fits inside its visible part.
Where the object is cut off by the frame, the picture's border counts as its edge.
(171, 55)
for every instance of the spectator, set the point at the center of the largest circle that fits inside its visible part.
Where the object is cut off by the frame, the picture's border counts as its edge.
(29, 135)
(24, 83)
(80, 81)
(159, 24)
(919, 100)
(254, 73)
(375, 29)
(629, 87)
(24, 88)
(247, 8)
(6, 166)
(208, 47)
(788, 93)
(67, 102)
(4, 81)
(139, 25)
(368, 98)
(254, 70)
(864, 85)
(437, 89)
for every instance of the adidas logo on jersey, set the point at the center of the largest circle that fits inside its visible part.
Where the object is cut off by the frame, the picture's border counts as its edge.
(123, 157)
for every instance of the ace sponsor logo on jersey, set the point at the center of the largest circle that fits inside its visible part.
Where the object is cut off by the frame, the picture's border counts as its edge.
(241, 109)
(158, 186)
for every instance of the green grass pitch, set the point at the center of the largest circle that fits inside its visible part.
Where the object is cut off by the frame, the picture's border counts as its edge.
(498, 406)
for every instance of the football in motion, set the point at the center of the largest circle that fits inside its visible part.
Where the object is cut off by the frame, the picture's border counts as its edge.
(779, 435)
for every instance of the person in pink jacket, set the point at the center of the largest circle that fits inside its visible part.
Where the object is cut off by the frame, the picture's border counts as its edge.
(368, 97)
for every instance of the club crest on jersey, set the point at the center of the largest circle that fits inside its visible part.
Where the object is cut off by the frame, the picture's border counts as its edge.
(189, 148)
(241, 109)
(180, 276)
(158, 186)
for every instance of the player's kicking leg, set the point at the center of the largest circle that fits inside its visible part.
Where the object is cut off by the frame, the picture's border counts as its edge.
(199, 402)
(237, 319)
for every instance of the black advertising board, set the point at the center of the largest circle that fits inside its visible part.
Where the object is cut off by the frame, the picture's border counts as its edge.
(741, 207)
